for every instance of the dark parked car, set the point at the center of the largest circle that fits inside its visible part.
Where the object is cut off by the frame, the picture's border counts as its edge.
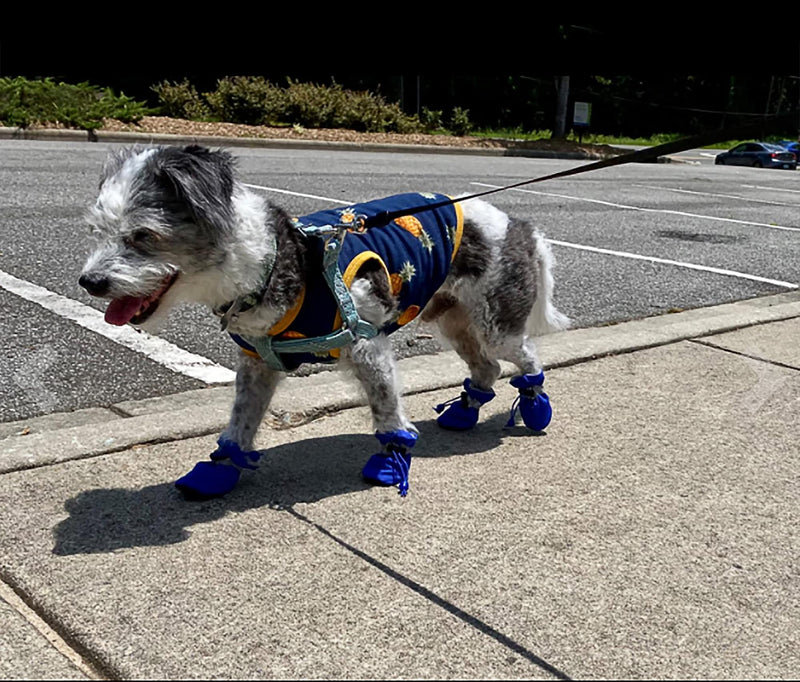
(758, 155)
(793, 146)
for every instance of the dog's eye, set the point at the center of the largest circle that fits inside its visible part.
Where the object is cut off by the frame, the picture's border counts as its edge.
(141, 237)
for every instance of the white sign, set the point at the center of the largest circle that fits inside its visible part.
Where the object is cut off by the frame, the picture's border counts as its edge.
(582, 114)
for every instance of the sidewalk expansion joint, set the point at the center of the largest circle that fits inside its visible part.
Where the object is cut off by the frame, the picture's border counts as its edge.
(60, 641)
(424, 592)
(749, 356)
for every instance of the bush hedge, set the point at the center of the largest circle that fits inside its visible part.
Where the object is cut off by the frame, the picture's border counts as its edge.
(252, 100)
(181, 100)
(24, 103)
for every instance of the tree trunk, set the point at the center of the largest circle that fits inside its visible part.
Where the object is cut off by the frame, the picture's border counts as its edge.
(562, 98)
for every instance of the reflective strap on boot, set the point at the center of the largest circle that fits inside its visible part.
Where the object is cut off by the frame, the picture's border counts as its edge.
(242, 459)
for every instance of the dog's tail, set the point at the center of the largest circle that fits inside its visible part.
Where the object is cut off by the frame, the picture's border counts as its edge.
(544, 317)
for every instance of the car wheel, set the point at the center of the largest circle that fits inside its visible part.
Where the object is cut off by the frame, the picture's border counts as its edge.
(757, 164)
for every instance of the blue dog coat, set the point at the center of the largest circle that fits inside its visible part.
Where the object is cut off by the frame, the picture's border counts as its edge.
(414, 252)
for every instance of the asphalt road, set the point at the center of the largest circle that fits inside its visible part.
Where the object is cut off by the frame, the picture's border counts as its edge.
(630, 242)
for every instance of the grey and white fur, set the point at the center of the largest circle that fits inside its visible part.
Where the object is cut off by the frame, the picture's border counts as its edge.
(175, 224)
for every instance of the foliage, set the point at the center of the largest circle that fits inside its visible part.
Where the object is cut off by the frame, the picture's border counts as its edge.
(248, 100)
(318, 106)
(181, 100)
(431, 120)
(24, 103)
(253, 100)
(459, 121)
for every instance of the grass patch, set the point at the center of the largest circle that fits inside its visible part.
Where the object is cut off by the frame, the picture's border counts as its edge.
(595, 138)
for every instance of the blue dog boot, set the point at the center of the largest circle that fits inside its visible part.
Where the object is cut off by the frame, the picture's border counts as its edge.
(391, 466)
(462, 413)
(220, 475)
(533, 403)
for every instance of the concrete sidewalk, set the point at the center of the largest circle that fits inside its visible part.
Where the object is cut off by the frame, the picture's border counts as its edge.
(651, 533)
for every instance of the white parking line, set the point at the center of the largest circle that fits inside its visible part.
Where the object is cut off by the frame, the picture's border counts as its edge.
(297, 194)
(722, 196)
(636, 256)
(680, 264)
(156, 349)
(772, 189)
(647, 210)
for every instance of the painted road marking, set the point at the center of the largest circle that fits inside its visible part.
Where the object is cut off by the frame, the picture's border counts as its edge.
(772, 189)
(723, 196)
(647, 210)
(153, 347)
(681, 264)
(298, 194)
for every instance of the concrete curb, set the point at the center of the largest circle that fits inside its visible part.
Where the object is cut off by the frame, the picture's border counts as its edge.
(109, 137)
(88, 433)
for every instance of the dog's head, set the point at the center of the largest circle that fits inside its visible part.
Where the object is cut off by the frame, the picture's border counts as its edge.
(161, 221)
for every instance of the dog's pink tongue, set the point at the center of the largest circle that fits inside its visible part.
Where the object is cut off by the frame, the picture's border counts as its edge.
(121, 310)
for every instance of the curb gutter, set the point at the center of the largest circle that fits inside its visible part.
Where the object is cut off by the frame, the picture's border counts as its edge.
(88, 433)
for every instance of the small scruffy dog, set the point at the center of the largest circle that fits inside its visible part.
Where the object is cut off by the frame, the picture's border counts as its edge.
(174, 224)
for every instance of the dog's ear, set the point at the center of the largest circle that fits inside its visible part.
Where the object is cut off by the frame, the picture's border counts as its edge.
(201, 179)
(116, 159)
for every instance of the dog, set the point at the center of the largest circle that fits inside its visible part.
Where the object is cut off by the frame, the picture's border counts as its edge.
(175, 224)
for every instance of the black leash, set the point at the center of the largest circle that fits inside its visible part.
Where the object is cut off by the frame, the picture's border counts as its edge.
(758, 129)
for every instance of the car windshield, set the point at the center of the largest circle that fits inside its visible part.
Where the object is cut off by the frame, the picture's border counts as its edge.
(774, 147)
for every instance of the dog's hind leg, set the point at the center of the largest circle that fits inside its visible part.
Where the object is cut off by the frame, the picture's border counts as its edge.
(518, 347)
(255, 385)
(462, 413)
(372, 362)
(533, 402)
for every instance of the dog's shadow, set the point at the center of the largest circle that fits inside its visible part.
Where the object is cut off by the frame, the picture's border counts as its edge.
(105, 520)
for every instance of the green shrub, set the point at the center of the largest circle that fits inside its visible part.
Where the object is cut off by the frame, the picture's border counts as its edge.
(334, 107)
(317, 106)
(251, 100)
(24, 103)
(19, 101)
(181, 100)
(432, 120)
(459, 121)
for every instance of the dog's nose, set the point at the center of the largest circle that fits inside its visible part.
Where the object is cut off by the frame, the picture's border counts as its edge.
(96, 285)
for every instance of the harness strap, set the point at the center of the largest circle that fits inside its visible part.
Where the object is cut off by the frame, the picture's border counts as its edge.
(353, 327)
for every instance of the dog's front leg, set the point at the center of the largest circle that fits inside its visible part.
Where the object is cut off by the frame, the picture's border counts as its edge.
(373, 363)
(255, 385)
